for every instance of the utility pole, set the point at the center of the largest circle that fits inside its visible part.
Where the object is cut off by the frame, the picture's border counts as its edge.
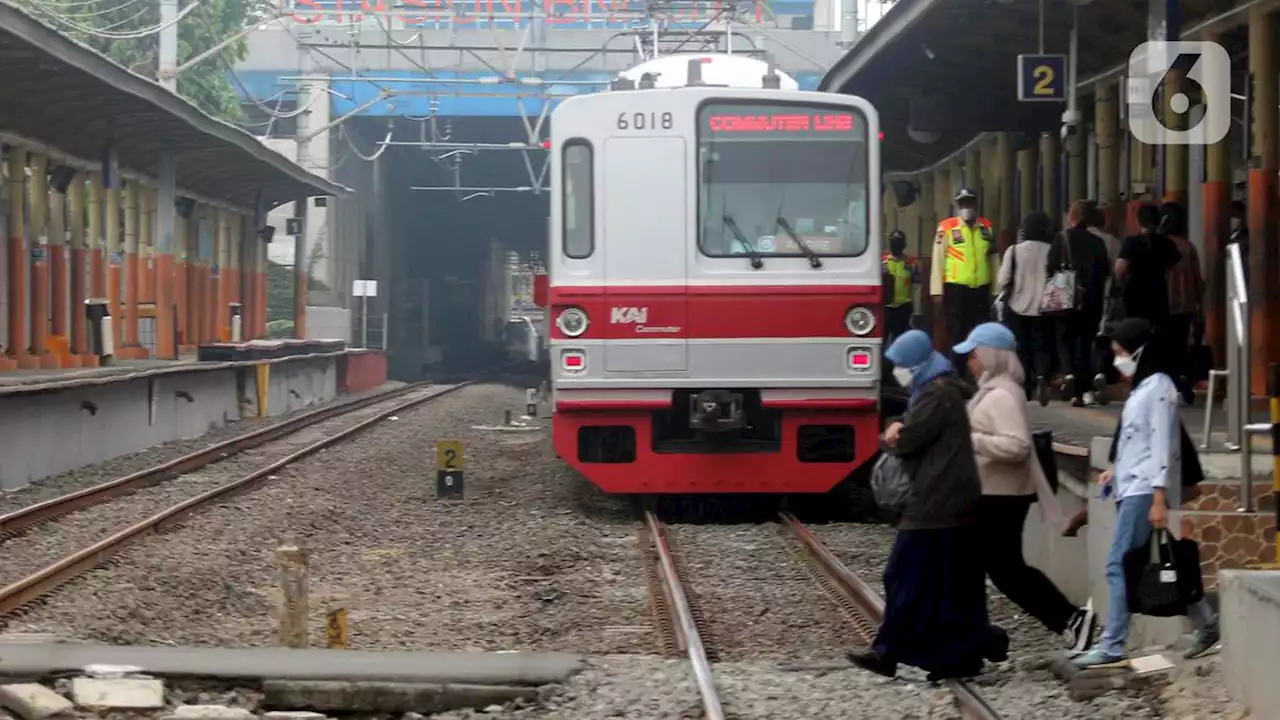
(302, 136)
(167, 72)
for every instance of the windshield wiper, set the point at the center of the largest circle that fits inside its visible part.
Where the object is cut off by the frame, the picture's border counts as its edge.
(756, 261)
(814, 260)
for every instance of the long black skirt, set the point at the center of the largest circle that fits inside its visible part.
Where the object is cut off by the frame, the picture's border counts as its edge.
(935, 614)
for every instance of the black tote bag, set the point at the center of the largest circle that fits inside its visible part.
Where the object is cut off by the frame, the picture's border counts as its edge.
(1162, 578)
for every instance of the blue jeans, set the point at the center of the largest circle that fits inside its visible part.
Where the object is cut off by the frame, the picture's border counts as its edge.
(1133, 529)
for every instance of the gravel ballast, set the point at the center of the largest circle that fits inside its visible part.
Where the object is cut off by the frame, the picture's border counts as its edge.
(521, 563)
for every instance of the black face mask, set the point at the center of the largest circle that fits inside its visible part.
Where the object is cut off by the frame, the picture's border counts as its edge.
(897, 247)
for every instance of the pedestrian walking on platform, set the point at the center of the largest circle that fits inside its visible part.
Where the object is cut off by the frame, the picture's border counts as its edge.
(1086, 254)
(1012, 480)
(935, 614)
(1022, 277)
(1148, 455)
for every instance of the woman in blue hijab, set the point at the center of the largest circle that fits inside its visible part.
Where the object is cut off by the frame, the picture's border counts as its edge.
(935, 614)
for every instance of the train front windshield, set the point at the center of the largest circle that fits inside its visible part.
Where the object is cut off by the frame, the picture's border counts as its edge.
(780, 180)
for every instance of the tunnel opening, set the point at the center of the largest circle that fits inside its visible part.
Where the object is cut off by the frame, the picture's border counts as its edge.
(446, 251)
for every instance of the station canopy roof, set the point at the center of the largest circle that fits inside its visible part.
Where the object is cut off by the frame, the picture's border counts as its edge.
(61, 94)
(950, 66)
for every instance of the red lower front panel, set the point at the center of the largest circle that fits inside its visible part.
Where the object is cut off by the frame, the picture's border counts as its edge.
(748, 472)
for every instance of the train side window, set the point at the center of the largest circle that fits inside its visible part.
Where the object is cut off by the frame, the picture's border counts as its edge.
(579, 210)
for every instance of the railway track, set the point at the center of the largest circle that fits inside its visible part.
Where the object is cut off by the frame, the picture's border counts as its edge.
(37, 584)
(682, 629)
(867, 608)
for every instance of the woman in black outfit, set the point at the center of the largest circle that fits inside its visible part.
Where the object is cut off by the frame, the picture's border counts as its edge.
(935, 614)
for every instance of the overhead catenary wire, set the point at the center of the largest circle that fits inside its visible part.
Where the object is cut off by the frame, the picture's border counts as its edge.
(109, 35)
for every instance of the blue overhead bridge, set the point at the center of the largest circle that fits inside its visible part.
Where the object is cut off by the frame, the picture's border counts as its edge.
(568, 14)
(420, 98)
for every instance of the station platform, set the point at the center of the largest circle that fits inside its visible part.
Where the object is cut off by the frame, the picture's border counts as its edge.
(55, 421)
(1075, 427)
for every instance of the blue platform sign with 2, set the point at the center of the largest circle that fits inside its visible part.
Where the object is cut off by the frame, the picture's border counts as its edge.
(1042, 78)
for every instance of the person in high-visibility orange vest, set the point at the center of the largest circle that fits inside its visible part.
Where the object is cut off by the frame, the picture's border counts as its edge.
(899, 274)
(960, 276)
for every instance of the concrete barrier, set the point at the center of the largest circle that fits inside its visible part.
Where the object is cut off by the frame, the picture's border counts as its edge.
(60, 427)
(361, 370)
(1250, 607)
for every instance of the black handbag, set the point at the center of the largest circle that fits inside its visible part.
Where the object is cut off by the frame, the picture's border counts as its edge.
(1162, 578)
(1042, 442)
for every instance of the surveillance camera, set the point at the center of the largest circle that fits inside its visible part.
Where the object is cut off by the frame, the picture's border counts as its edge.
(1069, 130)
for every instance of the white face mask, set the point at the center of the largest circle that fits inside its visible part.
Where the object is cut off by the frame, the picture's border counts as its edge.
(903, 376)
(1127, 366)
(968, 214)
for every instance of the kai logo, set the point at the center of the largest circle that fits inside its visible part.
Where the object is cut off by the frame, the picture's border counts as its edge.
(628, 315)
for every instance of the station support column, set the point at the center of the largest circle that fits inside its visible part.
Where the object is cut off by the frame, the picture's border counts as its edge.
(1007, 174)
(220, 275)
(1076, 173)
(181, 257)
(115, 262)
(1050, 185)
(235, 227)
(38, 205)
(1028, 201)
(146, 263)
(16, 353)
(300, 272)
(131, 350)
(942, 194)
(79, 266)
(58, 270)
(1262, 195)
(1217, 202)
(248, 269)
(199, 287)
(165, 278)
(97, 268)
(1106, 125)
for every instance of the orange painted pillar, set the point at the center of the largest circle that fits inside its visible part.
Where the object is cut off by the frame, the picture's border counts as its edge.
(16, 355)
(115, 263)
(163, 214)
(78, 214)
(132, 349)
(248, 290)
(1263, 266)
(180, 274)
(195, 275)
(222, 282)
(1217, 212)
(38, 204)
(146, 256)
(58, 268)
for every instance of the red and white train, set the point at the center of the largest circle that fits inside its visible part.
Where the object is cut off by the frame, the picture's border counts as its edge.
(713, 283)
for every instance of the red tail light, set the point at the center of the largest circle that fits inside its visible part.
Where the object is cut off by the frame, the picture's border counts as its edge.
(573, 361)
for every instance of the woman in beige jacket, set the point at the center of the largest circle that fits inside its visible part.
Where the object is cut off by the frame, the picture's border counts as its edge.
(1012, 480)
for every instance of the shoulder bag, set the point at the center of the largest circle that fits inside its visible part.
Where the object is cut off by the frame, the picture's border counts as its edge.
(1060, 292)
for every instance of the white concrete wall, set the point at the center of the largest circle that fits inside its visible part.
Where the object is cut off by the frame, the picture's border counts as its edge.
(1250, 609)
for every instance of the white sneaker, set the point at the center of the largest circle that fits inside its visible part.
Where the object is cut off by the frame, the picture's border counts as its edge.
(1089, 400)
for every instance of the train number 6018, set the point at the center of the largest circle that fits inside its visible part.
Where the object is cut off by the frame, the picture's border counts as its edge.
(645, 121)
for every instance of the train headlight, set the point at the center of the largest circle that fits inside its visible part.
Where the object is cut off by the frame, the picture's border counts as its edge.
(572, 322)
(860, 321)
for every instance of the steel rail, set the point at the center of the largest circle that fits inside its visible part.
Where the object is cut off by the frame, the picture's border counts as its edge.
(25, 518)
(684, 615)
(971, 704)
(36, 585)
